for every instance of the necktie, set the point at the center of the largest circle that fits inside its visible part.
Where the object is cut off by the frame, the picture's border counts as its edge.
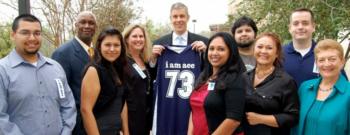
(181, 40)
(91, 52)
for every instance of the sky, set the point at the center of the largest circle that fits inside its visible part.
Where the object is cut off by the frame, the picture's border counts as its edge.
(6, 13)
(206, 12)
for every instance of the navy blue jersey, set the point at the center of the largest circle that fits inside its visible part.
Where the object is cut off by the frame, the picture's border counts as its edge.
(176, 75)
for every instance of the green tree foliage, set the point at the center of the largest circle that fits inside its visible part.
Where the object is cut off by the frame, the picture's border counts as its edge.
(332, 16)
(5, 41)
(58, 16)
(117, 13)
(156, 31)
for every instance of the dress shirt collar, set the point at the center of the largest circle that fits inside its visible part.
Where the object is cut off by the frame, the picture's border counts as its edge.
(15, 59)
(85, 46)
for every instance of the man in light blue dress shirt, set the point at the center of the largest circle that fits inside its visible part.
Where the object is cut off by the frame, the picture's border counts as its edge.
(35, 98)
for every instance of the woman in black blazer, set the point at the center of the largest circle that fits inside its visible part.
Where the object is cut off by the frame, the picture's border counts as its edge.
(137, 112)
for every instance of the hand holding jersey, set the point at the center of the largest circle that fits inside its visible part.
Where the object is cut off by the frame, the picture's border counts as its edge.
(199, 46)
(156, 51)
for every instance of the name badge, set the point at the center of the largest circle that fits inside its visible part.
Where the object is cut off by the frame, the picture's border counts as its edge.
(315, 69)
(139, 71)
(60, 88)
(211, 86)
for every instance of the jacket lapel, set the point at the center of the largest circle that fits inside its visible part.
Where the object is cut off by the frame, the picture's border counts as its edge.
(190, 38)
(309, 97)
(80, 52)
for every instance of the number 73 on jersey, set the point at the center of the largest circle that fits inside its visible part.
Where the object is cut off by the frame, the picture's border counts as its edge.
(185, 78)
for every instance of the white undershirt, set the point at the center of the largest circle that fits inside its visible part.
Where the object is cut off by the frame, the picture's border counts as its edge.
(303, 52)
(35, 63)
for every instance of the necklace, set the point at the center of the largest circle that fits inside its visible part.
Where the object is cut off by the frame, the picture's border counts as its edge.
(325, 90)
(212, 77)
(263, 74)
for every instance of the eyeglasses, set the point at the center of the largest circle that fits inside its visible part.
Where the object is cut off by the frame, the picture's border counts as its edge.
(27, 33)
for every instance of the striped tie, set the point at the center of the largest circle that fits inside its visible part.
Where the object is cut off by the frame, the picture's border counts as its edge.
(181, 40)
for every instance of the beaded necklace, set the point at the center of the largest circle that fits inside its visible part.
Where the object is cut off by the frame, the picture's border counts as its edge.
(325, 90)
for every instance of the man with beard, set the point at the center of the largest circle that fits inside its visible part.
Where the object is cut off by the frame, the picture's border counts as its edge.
(74, 55)
(35, 98)
(244, 32)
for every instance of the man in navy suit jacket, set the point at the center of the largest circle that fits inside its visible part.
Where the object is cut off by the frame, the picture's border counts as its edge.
(181, 38)
(73, 56)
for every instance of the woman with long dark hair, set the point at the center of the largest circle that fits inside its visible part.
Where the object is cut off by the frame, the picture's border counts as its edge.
(103, 85)
(217, 102)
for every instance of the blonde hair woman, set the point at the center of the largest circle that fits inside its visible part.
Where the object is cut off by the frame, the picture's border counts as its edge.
(325, 101)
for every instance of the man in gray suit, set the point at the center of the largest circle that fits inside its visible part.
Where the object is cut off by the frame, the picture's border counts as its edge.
(74, 55)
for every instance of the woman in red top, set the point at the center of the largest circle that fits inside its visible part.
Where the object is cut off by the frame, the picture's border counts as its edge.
(217, 102)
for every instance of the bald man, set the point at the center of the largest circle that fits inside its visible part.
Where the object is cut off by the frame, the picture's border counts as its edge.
(74, 55)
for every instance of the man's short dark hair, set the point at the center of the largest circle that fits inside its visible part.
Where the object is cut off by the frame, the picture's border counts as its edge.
(24, 17)
(244, 20)
(303, 10)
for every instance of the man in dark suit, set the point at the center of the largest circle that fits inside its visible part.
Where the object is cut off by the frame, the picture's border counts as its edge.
(164, 121)
(74, 55)
(179, 18)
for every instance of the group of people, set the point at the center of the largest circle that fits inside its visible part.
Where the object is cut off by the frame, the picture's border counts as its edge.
(240, 83)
